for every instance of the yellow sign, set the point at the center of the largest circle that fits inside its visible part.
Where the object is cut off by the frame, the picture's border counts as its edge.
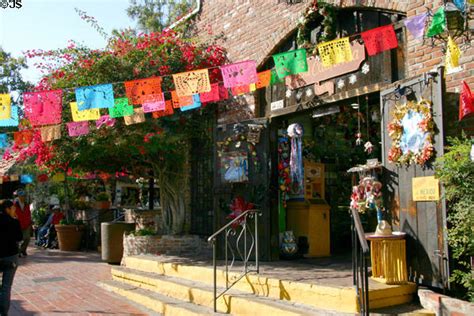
(425, 189)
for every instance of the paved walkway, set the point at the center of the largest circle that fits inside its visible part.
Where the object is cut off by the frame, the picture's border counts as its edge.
(52, 282)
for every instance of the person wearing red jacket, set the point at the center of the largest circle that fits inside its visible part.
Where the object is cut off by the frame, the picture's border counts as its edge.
(24, 217)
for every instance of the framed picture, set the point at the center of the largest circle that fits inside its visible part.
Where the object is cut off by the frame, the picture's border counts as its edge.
(234, 167)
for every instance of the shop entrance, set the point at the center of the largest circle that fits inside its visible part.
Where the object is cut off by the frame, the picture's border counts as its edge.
(336, 137)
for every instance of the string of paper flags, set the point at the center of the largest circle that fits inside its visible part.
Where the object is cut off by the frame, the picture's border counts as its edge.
(193, 89)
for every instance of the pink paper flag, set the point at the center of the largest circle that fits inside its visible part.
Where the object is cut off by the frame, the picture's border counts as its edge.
(78, 128)
(211, 96)
(154, 103)
(43, 108)
(105, 120)
(239, 74)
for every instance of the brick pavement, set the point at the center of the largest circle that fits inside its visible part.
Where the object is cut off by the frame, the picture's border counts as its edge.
(52, 282)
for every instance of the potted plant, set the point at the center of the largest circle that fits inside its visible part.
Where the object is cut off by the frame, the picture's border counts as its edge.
(102, 201)
(70, 234)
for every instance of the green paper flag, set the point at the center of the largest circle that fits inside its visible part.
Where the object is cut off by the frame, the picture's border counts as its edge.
(438, 25)
(274, 78)
(290, 63)
(121, 108)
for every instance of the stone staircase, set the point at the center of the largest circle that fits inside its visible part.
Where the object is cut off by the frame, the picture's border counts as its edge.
(180, 288)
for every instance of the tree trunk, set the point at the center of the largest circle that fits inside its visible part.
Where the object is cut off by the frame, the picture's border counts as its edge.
(173, 204)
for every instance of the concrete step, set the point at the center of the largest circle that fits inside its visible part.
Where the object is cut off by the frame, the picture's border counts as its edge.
(319, 296)
(164, 305)
(233, 302)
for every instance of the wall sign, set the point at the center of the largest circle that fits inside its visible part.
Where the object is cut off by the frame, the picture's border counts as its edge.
(425, 189)
(280, 104)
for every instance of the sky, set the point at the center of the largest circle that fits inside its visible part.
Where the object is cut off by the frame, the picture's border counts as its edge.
(49, 24)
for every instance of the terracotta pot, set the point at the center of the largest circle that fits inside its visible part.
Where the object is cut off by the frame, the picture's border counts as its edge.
(102, 205)
(69, 237)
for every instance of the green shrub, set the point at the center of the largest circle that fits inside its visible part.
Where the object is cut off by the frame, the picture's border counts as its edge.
(102, 196)
(71, 222)
(456, 171)
(39, 216)
(144, 232)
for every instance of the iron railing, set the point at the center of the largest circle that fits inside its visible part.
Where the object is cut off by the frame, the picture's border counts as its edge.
(236, 235)
(360, 262)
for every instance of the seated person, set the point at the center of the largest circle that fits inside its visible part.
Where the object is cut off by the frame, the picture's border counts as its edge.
(47, 233)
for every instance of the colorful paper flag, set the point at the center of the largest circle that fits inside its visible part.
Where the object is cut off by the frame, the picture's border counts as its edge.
(239, 74)
(95, 97)
(137, 117)
(274, 78)
(466, 101)
(460, 4)
(264, 79)
(290, 63)
(43, 108)
(86, 115)
(3, 140)
(78, 128)
(453, 53)
(13, 121)
(180, 101)
(59, 177)
(380, 39)
(5, 106)
(168, 110)
(121, 108)
(335, 52)
(438, 24)
(192, 82)
(23, 137)
(154, 103)
(138, 90)
(50, 133)
(105, 120)
(416, 25)
(26, 178)
(252, 87)
(240, 90)
(211, 96)
(196, 104)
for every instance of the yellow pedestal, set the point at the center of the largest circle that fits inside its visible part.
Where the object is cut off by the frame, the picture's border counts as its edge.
(388, 257)
(311, 220)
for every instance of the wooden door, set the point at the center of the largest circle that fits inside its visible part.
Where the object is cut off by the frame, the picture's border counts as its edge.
(424, 222)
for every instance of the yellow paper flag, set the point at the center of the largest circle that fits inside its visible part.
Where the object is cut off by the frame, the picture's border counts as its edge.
(452, 57)
(59, 177)
(85, 115)
(5, 107)
(192, 82)
(335, 52)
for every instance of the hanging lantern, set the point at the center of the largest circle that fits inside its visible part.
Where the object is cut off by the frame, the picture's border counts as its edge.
(454, 18)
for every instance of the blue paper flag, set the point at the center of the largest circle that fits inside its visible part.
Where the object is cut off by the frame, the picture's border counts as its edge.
(459, 4)
(196, 104)
(13, 121)
(26, 178)
(3, 140)
(95, 97)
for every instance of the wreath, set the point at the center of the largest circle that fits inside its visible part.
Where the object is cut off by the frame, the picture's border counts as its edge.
(411, 131)
(320, 16)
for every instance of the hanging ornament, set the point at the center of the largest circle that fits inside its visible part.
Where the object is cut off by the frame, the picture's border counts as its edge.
(368, 147)
(295, 132)
(288, 93)
(365, 68)
(352, 79)
(341, 83)
(359, 140)
(309, 92)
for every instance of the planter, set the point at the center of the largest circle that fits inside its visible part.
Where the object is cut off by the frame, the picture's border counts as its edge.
(102, 205)
(69, 237)
(112, 240)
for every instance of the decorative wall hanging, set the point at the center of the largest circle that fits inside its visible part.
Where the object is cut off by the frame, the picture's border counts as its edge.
(295, 133)
(284, 178)
(234, 167)
(380, 39)
(335, 52)
(86, 115)
(5, 106)
(3, 140)
(466, 101)
(137, 117)
(196, 104)
(78, 128)
(168, 110)
(290, 63)
(154, 103)
(239, 74)
(264, 78)
(192, 82)
(23, 137)
(138, 90)
(50, 133)
(121, 108)
(253, 134)
(13, 121)
(411, 132)
(43, 108)
(453, 53)
(95, 97)
(105, 120)
(416, 25)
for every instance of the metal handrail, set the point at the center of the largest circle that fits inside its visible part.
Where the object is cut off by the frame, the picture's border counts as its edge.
(360, 255)
(230, 229)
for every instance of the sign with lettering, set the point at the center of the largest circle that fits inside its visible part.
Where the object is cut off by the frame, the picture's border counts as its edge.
(317, 72)
(425, 189)
(277, 105)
